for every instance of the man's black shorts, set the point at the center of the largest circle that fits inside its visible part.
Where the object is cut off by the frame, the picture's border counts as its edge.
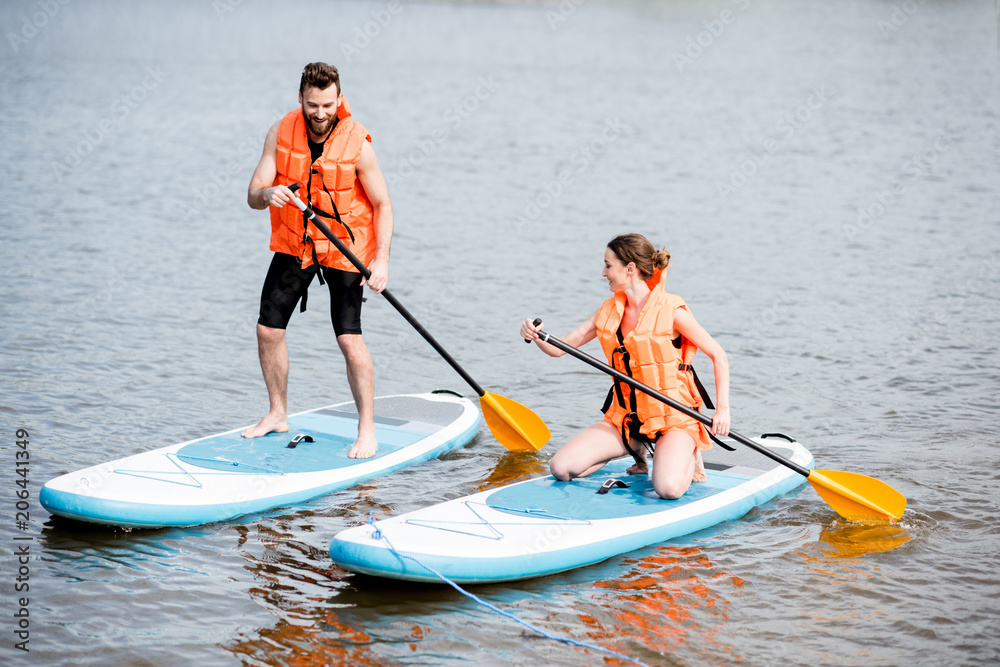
(286, 283)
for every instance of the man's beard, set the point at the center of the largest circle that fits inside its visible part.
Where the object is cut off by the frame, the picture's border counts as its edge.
(319, 129)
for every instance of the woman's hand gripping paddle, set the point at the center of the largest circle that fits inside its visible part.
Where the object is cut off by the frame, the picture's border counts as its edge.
(516, 427)
(854, 497)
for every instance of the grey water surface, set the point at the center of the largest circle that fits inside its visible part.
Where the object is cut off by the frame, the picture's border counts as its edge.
(824, 174)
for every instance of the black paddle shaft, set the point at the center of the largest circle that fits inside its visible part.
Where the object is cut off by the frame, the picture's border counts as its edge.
(680, 407)
(321, 226)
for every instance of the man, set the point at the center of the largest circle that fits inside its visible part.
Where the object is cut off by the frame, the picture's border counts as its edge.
(321, 147)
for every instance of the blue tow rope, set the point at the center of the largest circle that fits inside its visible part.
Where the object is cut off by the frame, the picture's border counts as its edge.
(379, 535)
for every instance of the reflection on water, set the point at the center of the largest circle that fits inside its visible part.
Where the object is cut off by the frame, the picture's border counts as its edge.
(853, 541)
(294, 581)
(310, 637)
(514, 467)
(666, 601)
(84, 547)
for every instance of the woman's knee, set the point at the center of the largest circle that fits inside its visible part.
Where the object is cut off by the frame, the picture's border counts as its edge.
(671, 488)
(560, 470)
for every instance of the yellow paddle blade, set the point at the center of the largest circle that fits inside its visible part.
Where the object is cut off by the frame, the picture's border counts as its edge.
(516, 427)
(858, 497)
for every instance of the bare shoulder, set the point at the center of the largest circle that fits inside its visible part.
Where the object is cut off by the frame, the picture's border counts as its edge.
(272, 135)
(267, 167)
(270, 152)
(367, 152)
(683, 317)
(367, 162)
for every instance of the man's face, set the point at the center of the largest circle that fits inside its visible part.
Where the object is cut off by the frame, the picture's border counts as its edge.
(319, 108)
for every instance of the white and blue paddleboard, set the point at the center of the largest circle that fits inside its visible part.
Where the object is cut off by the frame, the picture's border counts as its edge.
(225, 476)
(542, 526)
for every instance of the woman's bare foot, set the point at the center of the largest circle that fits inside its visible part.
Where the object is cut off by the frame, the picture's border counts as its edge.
(271, 423)
(639, 468)
(699, 468)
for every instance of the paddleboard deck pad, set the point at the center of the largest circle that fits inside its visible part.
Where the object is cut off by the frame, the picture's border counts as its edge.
(542, 526)
(224, 476)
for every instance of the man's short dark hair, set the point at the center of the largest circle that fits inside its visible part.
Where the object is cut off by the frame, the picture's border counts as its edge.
(319, 75)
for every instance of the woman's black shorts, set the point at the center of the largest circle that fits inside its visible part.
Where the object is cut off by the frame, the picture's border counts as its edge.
(287, 282)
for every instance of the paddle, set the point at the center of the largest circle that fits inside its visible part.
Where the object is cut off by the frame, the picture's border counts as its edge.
(855, 497)
(516, 427)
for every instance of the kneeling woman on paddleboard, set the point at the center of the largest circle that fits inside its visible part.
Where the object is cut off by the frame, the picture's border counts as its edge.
(652, 336)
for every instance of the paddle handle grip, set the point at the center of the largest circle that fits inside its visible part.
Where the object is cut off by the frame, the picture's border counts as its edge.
(680, 407)
(537, 321)
(353, 259)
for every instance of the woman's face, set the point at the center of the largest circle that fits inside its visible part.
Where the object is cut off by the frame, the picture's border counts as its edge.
(615, 272)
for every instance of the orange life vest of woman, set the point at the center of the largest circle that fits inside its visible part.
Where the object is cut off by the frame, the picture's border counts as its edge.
(655, 355)
(330, 186)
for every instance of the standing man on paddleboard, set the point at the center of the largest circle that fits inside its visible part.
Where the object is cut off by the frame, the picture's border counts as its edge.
(321, 147)
(652, 336)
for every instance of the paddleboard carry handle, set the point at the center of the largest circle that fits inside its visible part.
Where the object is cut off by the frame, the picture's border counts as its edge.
(297, 439)
(447, 391)
(611, 484)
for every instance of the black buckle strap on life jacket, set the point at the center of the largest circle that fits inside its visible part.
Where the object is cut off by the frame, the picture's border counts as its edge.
(697, 383)
(312, 246)
(617, 386)
(631, 426)
(333, 203)
(309, 240)
(315, 270)
(728, 448)
(708, 403)
(609, 400)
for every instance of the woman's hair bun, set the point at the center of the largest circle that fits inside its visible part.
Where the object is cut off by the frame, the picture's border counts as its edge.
(637, 249)
(661, 258)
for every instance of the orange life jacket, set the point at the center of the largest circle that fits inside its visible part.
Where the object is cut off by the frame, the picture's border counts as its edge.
(330, 186)
(655, 355)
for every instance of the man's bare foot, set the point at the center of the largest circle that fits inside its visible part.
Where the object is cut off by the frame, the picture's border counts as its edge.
(699, 468)
(365, 447)
(269, 424)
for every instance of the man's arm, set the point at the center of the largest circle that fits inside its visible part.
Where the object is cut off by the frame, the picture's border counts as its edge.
(378, 194)
(262, 191)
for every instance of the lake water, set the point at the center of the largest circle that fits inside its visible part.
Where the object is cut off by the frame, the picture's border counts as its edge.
(824, 175)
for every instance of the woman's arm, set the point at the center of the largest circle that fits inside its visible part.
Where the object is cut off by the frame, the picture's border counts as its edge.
(581, 335)
(687, 326)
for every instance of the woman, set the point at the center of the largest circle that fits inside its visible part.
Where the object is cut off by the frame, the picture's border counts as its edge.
(652, 336)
